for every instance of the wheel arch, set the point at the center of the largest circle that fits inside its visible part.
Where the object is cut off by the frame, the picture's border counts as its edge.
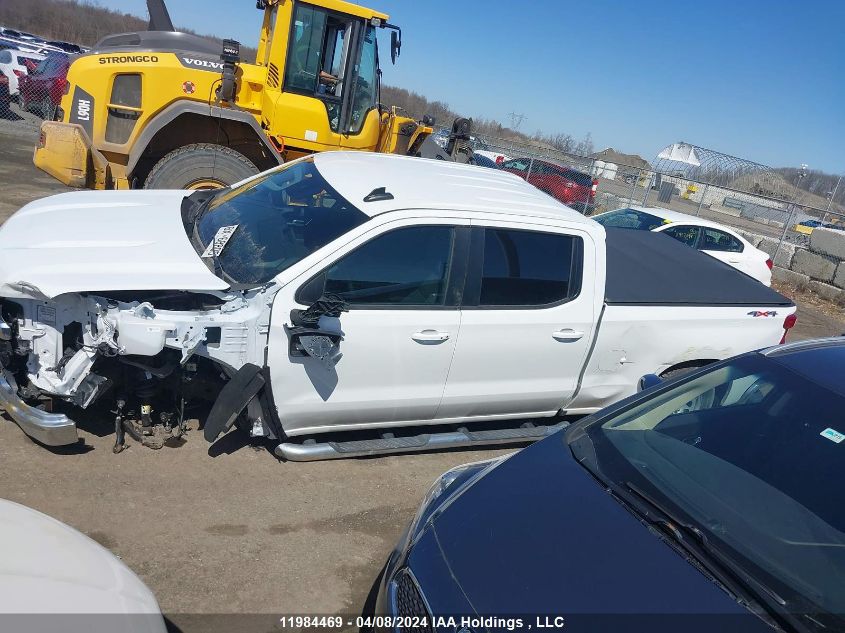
(689, 365)
(187, 122)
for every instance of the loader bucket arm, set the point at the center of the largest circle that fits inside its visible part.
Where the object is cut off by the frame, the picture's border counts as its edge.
(159, 17)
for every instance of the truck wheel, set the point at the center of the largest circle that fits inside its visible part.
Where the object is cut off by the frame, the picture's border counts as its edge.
(200, 166)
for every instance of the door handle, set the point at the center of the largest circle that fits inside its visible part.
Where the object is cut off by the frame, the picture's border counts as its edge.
(430, 336)
(567, 334)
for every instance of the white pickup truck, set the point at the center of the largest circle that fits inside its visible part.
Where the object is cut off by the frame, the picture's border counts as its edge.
(351, 292)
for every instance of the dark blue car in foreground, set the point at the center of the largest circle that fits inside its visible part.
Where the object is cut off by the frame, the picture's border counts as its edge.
(709, 502)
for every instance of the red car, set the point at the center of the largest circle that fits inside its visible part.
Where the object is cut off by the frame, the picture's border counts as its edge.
(42, 89)
(572, 187)
(5, 111)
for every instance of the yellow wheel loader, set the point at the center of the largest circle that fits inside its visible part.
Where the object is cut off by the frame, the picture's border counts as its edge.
(162, 109)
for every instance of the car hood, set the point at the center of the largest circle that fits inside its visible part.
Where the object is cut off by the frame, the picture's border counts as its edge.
(100, 240)
(538, 535)
(48, 567)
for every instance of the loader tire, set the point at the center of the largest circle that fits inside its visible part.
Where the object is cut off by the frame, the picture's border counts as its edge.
(200, 166)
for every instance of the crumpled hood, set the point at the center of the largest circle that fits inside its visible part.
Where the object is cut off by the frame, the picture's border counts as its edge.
(48, 567)
(100, 240)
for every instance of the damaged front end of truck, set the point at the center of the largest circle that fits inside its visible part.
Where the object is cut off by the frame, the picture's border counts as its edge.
(153, 359)
(154, 304)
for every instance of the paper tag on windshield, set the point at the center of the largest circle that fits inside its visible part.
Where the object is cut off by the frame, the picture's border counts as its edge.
(221, 238)
(833, 436)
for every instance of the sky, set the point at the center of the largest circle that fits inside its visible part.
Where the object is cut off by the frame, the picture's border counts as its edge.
(759, 79)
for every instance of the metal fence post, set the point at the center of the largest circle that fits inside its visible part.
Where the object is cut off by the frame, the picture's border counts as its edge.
(648, 188)
(786, 226)
(830, 201)
(634, 182)
(530, 168)
(701, 202)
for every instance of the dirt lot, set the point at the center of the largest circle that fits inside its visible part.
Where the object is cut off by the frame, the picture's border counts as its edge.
(233, 531)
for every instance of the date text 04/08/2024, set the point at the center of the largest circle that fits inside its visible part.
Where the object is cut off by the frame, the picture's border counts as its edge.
(456, 623)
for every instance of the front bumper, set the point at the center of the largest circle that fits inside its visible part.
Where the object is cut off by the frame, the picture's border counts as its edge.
(52, 429)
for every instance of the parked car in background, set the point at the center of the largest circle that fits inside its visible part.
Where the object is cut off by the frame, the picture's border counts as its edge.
(483, 149)
(66, 46)
(483, 161)
(707, 495)
(15, 64)
(573, 188)
(716, 240)
(806, 227)
(4, 96)
(48, 568)
(41, 90)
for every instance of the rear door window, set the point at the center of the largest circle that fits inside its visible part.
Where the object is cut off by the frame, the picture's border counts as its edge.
(684, 233)
(526, 269)
(716, 240)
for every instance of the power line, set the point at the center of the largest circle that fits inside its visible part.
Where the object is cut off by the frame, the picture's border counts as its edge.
(516, 120)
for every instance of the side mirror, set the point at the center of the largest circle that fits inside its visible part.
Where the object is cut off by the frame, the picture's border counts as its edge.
(648, 381)
(311, 292)
(428, 120)
(395, 46)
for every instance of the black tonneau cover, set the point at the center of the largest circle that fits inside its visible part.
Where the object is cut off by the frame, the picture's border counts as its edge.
(646, 268)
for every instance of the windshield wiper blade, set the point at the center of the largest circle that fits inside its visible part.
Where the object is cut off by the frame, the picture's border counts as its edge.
(743, 586)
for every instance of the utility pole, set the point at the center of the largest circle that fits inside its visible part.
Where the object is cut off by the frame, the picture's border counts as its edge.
(516, 120)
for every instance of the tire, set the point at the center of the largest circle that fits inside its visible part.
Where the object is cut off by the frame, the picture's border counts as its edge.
(200, 166)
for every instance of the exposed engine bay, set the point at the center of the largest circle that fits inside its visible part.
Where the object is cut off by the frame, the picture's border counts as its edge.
(149, 356)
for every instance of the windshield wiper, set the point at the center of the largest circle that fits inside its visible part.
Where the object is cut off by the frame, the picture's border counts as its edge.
(744, 587)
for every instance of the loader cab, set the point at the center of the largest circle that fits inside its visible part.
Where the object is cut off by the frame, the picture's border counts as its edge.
(324, 63)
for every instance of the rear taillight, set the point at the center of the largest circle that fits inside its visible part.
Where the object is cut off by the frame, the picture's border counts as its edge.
(595, 186)
(19, 73)
(788, 323)
(770, 263)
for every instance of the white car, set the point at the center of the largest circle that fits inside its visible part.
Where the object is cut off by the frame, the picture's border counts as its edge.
(48, 568)
(715, 239)
(352, 291)
(13, 64)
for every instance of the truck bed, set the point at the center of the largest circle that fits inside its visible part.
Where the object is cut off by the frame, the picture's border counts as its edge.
(645, 268)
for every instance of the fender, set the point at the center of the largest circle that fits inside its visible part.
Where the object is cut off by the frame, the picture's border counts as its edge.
(178, 108)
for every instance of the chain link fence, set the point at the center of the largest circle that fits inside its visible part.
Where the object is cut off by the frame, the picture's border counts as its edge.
(31, 83)
(805, 241)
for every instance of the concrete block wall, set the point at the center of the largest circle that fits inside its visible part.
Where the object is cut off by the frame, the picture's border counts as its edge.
(819, 266)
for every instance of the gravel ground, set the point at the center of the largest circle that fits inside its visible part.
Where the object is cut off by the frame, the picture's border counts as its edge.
(233, 530)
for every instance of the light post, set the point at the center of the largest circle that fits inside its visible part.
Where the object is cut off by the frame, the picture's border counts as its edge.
(830, 199)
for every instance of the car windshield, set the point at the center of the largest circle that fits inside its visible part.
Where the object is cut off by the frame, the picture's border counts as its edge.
(749, 453)
(269, 223)
(630, 219)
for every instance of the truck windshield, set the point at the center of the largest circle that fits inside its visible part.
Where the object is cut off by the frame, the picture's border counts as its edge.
(254, 231)
(747, 453)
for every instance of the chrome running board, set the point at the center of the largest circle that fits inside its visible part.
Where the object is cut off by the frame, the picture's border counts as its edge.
(388, 445)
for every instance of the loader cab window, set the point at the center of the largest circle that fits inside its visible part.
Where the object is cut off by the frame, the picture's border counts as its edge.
(366, 84)
(318, 57)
